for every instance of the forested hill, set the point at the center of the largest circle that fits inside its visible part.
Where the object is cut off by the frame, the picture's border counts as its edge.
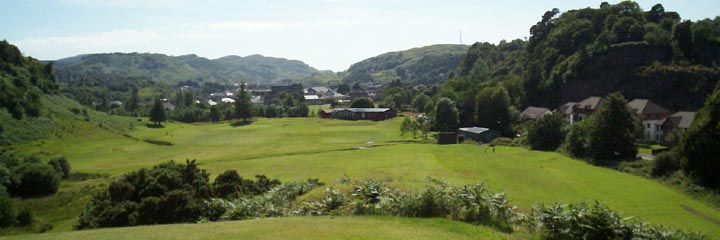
(424, 65)
(31, 108)
(170, 69)
(651, 54)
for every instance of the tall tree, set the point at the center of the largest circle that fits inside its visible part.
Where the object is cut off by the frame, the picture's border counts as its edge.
(612, 130)
(157, 113)
(132, 103)
(243, 107)
(214, 114)
(493, 110)
(362, 102)
(701, 144)
(446, 115)
(420, 101)
(547, 133)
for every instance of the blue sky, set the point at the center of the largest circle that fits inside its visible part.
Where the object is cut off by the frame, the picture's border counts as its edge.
(327, 34)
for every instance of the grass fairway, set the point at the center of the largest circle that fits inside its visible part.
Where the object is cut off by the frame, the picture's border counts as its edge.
(295, 149)
(293, 228)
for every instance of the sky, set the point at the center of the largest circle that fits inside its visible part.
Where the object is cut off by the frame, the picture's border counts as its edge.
(326, 34)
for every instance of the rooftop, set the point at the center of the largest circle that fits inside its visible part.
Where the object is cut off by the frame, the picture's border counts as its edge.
(476, 130)
(362, 109)
(644, 106)
(534, 112)
(589, 103)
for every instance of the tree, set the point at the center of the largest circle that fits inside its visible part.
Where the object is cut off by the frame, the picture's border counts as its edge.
(701, 145)
(228, 184)
(132, 103)
(446, 116)
(362, 102)
(493, 110)
(612, 130)
(7, 211)
(243, 108)
(214, 114)
(343, 88)
(547, 133)
(682, 36)
(419, 102)
(576, 140)
(157, 113)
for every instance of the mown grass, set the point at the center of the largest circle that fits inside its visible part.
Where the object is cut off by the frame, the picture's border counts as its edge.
(299, 148)
(293, 228)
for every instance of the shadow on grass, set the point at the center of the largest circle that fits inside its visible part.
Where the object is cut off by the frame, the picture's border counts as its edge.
(158, 142)
(240, 123)
(149, 125)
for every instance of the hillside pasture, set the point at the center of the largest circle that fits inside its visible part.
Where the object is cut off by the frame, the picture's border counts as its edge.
(294, 149)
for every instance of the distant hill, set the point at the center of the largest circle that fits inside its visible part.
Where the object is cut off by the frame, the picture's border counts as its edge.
(424, 65)
(171, 69)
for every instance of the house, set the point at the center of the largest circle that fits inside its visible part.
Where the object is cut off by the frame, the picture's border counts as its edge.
(212, 103)
(652, 116)
(325, 113)
(312, 99)
(479, 134)
(585, 108)
(319, 91)
(534, 113)
(227, 100)
(679, 121)
(168, 106)
(567, 111)
(362, 113)
(356, 94)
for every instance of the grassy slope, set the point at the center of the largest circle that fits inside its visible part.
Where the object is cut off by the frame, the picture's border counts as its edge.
(294, 149)
(293, 228)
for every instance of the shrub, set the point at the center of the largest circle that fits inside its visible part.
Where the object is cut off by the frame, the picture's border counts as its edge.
(583, 221)
(7, 212)
(576, 140)
(24, 217)
(666, 163)
(61, 165)
(547, 133)
(36, 179)
(166, 193)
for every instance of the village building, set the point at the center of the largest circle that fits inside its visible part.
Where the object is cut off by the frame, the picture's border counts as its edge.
(360, 113)
(652, 117)
(227, 100)
(679, 121)
(479, 134)
(312, 99)
(575, 112)
(319, 91)
(534, 113)
(567, 111)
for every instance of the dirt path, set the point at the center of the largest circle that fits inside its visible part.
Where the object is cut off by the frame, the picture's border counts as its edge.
(699, 214)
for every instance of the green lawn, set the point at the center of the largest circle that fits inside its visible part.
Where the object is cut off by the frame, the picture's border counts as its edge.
(295, 149)
(293, 228)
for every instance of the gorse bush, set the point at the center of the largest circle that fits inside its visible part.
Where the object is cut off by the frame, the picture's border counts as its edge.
(166, 193)
(597, 221)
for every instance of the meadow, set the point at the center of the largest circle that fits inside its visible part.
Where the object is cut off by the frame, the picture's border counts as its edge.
(294, 149)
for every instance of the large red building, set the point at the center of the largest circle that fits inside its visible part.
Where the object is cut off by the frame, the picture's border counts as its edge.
(359, 113)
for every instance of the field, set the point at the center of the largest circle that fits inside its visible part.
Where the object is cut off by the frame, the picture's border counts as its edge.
(293, 228)
(298, 148)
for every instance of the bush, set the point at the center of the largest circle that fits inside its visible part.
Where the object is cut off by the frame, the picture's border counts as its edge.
(24, 217)
(61, 165)
(7, 212)
(166, 193)
(582, 221)
(666, 163)
(576, 140)
(36, 180)
(547, 133)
